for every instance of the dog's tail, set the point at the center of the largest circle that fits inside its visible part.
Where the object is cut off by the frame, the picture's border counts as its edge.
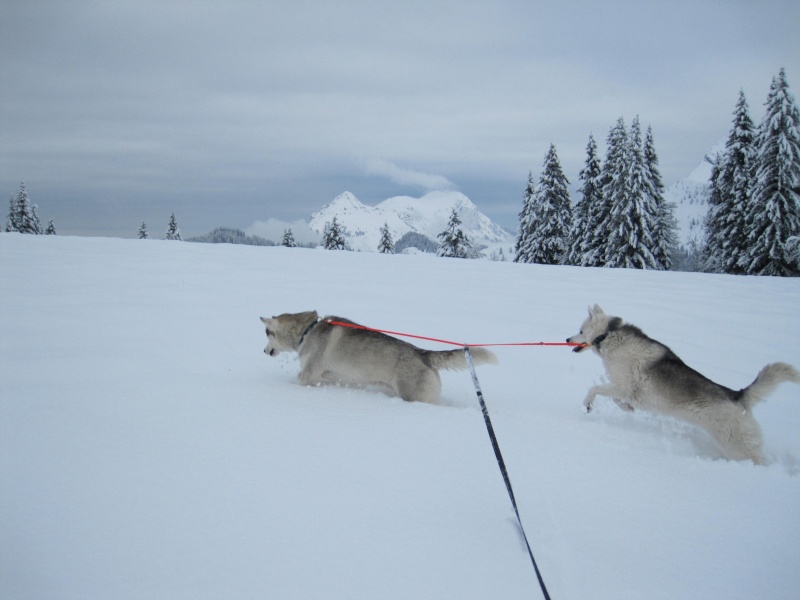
(456, 360)
(767, 380)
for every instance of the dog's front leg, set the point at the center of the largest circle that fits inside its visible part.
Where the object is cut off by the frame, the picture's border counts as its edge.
(309, 373)
(607, 389)
(623, 405)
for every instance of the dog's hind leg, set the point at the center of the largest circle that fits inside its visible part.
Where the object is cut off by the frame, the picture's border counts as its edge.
(739, 438)
(424, 386)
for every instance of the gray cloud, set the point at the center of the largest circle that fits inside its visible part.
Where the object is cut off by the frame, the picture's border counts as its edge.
(231, 112)
(408, 177)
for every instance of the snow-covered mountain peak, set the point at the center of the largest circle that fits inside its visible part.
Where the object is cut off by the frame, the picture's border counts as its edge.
(428, 215)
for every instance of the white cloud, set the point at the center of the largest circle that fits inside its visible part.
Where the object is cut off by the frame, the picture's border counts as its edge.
(427, 181)
(272, 229)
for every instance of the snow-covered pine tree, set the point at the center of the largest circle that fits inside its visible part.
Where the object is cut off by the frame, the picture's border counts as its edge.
(36, 223)
(583, 223)
(614, 186)
(731, 195)
(386, 245)
(173, 233)
(711, 250)
(51, 228)
(633, 213)
(552, 214)
(11, 220)
(526, 223)
(774, 213)
(665, 236)
(453, 242)
(143, 235)
(23, 217)
(613, 182)
(332, 238)
(288, 239)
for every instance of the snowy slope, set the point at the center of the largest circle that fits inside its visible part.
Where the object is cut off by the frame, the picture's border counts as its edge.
(690, 196)
(149, 449)
(427, 215)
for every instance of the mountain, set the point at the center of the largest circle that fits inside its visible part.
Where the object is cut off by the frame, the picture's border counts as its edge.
(428, 215)
(690, 196)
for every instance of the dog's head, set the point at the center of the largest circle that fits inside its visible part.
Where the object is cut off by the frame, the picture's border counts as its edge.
(285, 332)
(597, 324)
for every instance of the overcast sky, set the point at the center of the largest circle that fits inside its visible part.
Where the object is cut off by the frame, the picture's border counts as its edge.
(118, 112)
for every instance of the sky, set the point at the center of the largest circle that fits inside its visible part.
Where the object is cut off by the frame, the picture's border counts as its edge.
(227, 113)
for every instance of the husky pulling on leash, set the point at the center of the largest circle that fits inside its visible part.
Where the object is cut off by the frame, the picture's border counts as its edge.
(361, 357)
(645, 374)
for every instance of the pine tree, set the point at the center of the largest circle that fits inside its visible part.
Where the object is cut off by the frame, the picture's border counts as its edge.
(288, 239)
(665, 236)
(35, 222)
(22, 217)
(731, 187)
(633, 213)
(612, 183)
(615, 182)
(11, 220)
(583, 223)
(526, 223)
(774, 213)
(386, 245)
(453, 241)
(51, 228)
(143, 235)
(332, 238)
(173, 233)
(551, 215)
(712, 250)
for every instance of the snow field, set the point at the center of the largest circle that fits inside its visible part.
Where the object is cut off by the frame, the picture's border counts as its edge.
(148, 448)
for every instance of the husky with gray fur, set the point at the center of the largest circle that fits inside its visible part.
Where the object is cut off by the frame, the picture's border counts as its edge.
(645, 374)
(360, 357)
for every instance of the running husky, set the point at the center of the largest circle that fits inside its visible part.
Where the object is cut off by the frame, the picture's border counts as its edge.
(645, 374)
(361, 357)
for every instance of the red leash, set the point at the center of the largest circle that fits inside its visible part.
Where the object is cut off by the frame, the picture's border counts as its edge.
(430, 339)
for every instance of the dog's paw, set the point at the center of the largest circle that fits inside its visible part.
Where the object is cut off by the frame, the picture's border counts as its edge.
(587, 407)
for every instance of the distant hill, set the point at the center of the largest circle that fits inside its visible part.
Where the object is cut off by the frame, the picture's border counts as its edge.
(227, 235)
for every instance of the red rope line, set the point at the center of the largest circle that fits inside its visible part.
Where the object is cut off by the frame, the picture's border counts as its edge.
(431, 339)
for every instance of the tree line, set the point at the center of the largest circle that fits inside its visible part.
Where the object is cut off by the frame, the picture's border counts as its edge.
(623, 220)
(753, 222)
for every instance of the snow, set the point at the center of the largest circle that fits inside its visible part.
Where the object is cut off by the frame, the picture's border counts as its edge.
(149, 449)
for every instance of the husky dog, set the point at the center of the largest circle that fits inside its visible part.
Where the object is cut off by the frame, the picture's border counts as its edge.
(645, 374)
(357, 356)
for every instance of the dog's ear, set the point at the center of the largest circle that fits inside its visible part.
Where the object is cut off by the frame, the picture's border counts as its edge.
(265, 320)
(595, 311)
